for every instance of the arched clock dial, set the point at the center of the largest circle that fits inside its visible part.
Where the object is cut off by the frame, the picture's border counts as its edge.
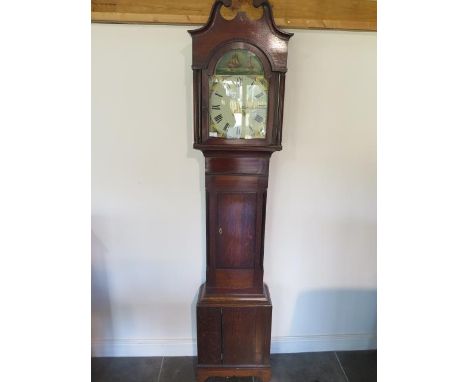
(238, 97)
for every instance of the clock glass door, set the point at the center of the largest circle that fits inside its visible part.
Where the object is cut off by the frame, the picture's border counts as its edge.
(238, 97)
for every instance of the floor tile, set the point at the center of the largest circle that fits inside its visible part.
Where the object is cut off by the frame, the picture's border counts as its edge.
(123, 369)
(306, 367)
(178, 369)
(359, 366)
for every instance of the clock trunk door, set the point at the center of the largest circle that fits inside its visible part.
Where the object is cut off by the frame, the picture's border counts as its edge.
(235, 224)
(236, 230)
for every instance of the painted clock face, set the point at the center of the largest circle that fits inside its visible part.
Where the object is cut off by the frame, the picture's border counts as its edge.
(238, 97)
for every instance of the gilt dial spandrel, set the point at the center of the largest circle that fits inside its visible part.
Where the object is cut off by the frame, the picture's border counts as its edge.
(238, 97)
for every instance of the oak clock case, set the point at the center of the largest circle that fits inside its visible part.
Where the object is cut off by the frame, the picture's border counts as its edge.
(239, 68)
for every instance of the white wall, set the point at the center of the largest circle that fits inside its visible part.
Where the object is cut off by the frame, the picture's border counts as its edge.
(148, 211)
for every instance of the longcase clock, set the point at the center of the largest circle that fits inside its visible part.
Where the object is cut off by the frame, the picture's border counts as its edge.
(239, 68)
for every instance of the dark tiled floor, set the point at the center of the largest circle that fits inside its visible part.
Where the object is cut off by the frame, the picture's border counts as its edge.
(353, 366)
(125, 369)
(359, 365)
(306, 367)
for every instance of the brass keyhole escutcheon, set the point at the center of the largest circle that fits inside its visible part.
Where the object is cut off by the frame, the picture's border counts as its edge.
(220, 231)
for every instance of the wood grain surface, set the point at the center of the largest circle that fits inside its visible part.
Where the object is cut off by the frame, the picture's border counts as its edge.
(299, 14)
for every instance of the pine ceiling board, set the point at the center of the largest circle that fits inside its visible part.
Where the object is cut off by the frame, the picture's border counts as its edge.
(302, 14)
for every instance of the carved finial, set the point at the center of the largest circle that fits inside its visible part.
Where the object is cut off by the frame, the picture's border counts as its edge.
(241, 6)
(241, 10)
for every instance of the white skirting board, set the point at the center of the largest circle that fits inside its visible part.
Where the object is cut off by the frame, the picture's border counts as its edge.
(188, 347)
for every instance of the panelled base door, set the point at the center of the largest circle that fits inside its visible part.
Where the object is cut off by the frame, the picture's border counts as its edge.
(233, 335)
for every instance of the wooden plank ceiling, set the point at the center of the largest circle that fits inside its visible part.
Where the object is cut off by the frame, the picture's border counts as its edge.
(301, 14)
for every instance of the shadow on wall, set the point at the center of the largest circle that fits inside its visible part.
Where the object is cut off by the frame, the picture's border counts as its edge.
(101, 311)
(338, 316)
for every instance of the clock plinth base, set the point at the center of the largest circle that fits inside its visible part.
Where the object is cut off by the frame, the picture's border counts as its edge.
(263, 373)
(234, 334)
